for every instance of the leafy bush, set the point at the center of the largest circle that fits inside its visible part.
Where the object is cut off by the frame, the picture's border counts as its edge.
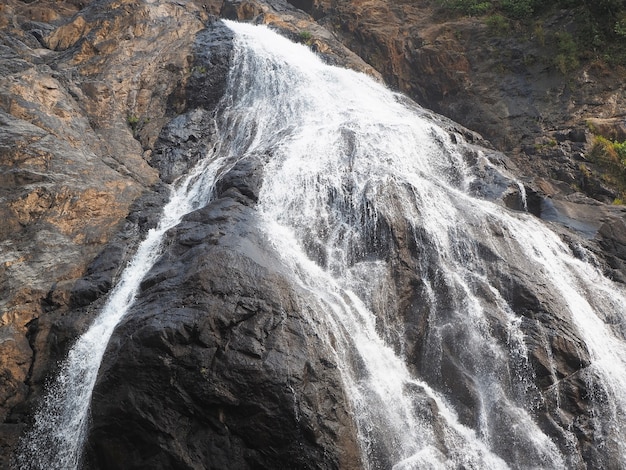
(610, 156)
(133, 122)
(610, 151)
(620, 149)
(469, 7)
(518, 8)
(480, 8)
(620, 26)
(511, 8)
(600, 24)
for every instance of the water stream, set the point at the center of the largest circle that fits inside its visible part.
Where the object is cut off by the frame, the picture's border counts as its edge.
(358, 188)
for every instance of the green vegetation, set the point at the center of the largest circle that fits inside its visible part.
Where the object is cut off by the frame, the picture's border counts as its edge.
(510, 8)
(133, 122)
(614, 150)
(567, 58)
(620, 25)
(599, 27)
(136, 123)
(498, 24)
(305, 37)
(551, 143)
(610, 156)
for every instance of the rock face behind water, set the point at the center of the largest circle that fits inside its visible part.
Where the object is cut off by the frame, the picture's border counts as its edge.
(84, 95)
(216, 365)
(102, 104)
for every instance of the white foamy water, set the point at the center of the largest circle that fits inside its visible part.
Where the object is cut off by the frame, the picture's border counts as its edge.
(347, 157)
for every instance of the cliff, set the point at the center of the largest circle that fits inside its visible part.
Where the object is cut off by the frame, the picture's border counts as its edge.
(104, 103)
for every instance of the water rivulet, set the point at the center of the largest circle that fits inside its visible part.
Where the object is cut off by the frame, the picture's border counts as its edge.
(464, 335)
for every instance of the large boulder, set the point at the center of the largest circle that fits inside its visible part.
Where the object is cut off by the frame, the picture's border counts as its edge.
(217, 364)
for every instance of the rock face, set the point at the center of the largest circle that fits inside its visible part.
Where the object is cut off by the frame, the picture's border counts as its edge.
(83, 99)
(99, 108)
(504, 85)
(497, 84)
(231, 376)
(103, 103)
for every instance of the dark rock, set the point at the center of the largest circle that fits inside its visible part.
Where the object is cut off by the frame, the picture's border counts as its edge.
(183, 142)
(212, 55)
(72, 167)
(218, 364)
(190, 136)
(215, 365)
(612, 240)
(245, 177)
(577, 135)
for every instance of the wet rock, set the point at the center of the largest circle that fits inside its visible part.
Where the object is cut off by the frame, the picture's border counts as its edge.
(291, 22)
(190, 135)
(216, 366)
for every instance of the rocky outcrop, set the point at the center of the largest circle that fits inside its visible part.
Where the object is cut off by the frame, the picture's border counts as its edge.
(299, 26)
(100, 104)
(216, 366)
(501, 84)
(505, 86)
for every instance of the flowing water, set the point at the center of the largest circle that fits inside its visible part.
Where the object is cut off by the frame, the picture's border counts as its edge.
(374, 209)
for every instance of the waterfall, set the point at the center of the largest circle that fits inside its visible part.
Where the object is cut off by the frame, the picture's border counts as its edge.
(353, 176)
(374, 210)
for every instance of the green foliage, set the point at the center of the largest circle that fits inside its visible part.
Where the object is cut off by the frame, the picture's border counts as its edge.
(546, 144)
(480, 8)
(497, 24)
(566, 59)
(305, 37)
(469, 7)
(599, 25)
(612, 151)
(133, 122)
(539, 33)
(620, 149)
(610, 156)
(136, 123)
(584, 169)
(518, 9)
(620, 26)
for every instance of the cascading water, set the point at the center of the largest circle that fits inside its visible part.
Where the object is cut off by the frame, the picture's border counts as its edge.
(373, 210)
(356, 176)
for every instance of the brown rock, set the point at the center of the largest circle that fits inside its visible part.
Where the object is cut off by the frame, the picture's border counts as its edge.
(76, 120)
